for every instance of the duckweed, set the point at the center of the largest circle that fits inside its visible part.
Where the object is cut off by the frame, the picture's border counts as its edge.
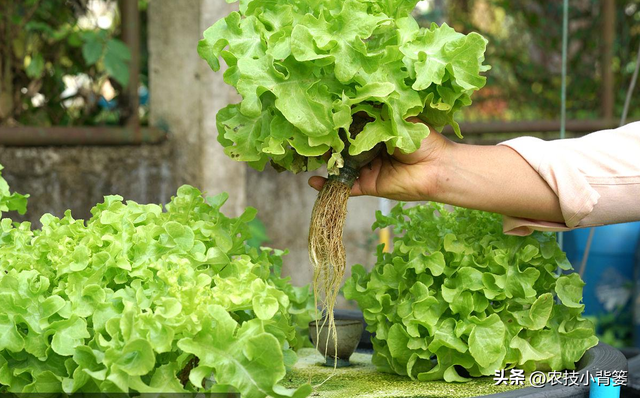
(364, 381)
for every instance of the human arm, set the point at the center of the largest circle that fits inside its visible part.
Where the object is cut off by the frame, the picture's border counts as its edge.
(547, 185)
(596, 177)
(490, 178)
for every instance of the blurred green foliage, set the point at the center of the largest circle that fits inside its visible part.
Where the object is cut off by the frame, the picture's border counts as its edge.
(525, 51)
(44, 49)
(614, 328)
(42, 41)
(259, 235)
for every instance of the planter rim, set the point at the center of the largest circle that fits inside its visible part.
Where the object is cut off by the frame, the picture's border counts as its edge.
(634, 371)
(338, 322)
(599, 358)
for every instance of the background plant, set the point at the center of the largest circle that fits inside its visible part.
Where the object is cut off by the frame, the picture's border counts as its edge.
(525, 54)
(457, 289)
(141, 299)
(45, 48)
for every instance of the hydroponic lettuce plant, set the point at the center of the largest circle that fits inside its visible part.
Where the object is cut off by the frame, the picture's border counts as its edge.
(334, 81)
(141, 299)
(455, 287)
(305, 67)
(11, 201)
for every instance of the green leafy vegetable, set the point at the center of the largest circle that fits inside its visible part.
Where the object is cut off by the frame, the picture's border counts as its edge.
(11, 201)
(305, 67)
(455, 287)
(146, 299)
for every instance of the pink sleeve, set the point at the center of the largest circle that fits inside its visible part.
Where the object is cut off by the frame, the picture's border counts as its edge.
(596, 178)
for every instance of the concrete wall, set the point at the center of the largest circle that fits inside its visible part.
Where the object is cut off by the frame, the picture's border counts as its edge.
(186, 95)
(77, 178)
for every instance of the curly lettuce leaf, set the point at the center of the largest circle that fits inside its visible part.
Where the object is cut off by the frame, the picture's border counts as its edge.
(127, 300)
(11, 201)
(455, 287)
(240, 354)
(304, 68)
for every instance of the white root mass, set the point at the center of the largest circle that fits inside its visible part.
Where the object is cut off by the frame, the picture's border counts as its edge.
(327, 253)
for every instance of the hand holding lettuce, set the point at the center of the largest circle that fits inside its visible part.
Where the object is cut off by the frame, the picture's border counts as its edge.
(334, 82)
(304, 68)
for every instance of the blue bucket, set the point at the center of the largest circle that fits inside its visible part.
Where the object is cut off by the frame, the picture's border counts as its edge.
(609, 273)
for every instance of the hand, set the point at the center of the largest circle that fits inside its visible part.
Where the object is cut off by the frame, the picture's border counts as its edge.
(483, 177)
(406, 177)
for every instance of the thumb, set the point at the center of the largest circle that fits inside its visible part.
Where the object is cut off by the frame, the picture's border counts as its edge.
(317, 182)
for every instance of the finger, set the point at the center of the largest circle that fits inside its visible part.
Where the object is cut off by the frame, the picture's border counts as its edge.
(431, 141)
(406, 158)
(356, 190)
(366, 184)
(317, 182)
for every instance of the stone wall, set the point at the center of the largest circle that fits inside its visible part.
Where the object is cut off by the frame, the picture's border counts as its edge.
(77, 178)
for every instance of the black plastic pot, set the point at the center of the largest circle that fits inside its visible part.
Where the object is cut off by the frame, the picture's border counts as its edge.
(602, 357)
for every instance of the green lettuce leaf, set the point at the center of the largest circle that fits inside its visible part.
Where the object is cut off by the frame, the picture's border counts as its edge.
(304, 68)
(11, 201)
(240, 356)
(455, 287)
(129, 300)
